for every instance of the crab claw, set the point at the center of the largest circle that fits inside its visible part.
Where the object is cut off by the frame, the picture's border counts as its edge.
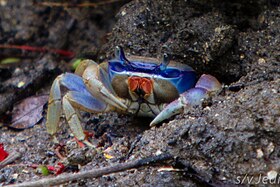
(205, 86)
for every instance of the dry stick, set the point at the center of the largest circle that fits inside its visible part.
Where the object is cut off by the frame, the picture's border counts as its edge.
(54, 4)
(95, 172)
(12, 157)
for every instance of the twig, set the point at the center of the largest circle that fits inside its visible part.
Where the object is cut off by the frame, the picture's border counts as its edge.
(61, 52)
(133, 145)
(12, 157)
(95, 172)
(55, 4)
(57, 151)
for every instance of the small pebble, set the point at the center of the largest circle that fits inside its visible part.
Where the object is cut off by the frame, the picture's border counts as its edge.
(270, 148)
(20, 84)
(259, 153)
(158, 152)
(272, 174)
(123, 13)
(261, 61)
(172, 142)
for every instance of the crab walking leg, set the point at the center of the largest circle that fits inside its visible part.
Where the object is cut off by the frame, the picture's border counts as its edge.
(72, 82)
(87, 103)
(205, 86)
(73, 120)
(54, 109)
(74, 101)
(94, 78)
(82, 66)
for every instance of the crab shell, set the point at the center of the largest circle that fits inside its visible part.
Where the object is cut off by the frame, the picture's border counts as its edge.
(143, 81)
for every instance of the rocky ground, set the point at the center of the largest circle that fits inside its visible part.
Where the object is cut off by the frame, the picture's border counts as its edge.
(233, 135)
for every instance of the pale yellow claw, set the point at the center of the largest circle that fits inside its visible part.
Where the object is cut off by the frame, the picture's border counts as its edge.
(54, 108)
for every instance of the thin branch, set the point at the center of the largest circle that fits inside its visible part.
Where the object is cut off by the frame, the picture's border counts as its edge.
(11, 158)
(133, 145)
(68, 5)
(95, 172)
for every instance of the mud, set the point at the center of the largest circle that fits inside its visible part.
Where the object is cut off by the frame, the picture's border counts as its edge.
(234, 134)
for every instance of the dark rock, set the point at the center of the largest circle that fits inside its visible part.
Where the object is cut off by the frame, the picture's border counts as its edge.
(238, 134)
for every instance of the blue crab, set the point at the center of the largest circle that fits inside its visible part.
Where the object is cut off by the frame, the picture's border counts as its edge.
(137, 85)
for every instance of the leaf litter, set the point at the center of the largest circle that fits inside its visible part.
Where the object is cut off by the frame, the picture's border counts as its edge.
(28, 112)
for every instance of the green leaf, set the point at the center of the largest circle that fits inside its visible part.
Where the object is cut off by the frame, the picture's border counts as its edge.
(76, 62)
(9, 60)
(43, 170)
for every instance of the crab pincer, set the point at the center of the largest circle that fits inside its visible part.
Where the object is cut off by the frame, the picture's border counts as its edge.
(206, 86)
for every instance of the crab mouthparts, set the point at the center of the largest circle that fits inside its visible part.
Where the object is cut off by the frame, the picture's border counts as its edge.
(140, 85)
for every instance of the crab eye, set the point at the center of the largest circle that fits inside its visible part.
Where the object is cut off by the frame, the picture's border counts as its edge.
(119, 53)
(171, 73)
(165, 62)
(117, 66)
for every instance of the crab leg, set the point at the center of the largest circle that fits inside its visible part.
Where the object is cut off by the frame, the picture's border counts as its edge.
(206, 86)
(82, 67)
(72, 82)
(98, 85)
(54, 109)
(78, 98)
